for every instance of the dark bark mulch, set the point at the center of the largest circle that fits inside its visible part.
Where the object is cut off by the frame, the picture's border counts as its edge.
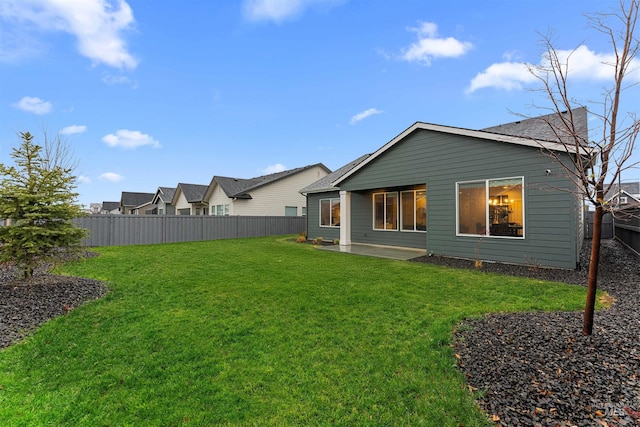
(27, 304)
(536, 369)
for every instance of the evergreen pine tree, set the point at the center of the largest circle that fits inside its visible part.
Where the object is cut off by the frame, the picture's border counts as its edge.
(37, 198)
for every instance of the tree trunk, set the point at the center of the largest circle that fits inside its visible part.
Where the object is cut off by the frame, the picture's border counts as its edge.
(592, 283)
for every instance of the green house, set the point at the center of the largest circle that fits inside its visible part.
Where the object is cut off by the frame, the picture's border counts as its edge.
(499, 194)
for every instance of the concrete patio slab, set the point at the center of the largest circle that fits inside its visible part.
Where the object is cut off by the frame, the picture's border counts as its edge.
(391, 252)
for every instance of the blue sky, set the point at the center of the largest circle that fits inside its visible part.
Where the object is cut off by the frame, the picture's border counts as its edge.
(153, 93)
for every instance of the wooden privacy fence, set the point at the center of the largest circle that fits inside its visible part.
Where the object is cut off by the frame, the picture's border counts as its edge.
(607, 226)
(627, 229)
(116, 230)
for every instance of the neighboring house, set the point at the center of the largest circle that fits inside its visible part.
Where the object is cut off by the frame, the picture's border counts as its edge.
(162, 199)
(472, 194)
(268, 195)
(188, 199)
(625, 195)
(135, 203)
(110, 208)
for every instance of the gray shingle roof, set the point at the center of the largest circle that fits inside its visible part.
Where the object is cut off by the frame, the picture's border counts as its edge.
(129, 198)
(549, 127)
(239, 188)
(194, 193)
(324, 184)
(166, 193)
(109, 206)
(631, 188)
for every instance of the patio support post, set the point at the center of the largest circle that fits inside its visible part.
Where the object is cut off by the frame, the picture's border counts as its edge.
(345, 218)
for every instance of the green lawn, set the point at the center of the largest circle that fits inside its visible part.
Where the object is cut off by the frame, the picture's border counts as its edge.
(259, 332)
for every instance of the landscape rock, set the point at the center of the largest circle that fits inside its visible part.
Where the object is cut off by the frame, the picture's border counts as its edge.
(537, 369)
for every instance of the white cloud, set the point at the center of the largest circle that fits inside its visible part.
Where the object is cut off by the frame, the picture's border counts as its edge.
(33, 105)
(278, 167)
(129, 139)
(278, 10)
(361, 116)
(69, 130)
(583, 64)
(111, 177)
(504, 75)
(97, 25)
(430, 46)
(84, 179)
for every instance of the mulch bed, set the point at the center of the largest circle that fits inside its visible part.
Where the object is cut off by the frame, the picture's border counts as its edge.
(537, 369)
(27, 304)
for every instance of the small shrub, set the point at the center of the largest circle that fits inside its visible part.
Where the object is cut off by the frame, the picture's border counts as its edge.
(301, 239)
(317, 241)
(336, 241)
(478, 263)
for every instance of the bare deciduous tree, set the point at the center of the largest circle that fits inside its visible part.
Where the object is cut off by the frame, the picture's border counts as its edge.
(602, 161)
(56, 152)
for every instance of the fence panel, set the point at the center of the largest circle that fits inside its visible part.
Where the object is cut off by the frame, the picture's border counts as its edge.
(627, 229)
(112, 230)
(607, 226)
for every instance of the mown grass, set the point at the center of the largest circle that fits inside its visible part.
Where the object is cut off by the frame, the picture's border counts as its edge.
(259, 332)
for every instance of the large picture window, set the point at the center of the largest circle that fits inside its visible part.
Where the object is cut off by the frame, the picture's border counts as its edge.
(385, 211)
(414, 210)
(330, 212)
(491, 207)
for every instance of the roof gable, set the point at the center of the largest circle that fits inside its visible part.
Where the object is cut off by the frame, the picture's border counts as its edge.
(529, 141)
(193, 193)
(164, 194)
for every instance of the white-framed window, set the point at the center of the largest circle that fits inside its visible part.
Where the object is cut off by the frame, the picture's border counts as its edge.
(490, 207)
(304, 211)
(413, 210)
(330, 212)
(385, 211)
(219, 210)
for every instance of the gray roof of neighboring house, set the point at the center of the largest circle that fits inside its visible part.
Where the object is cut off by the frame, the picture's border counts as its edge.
(109, 206)
(550, 127)
(239, 188)
(129, 198)
(194, 193)
(164, 194)
(631, 188)
(324, 184)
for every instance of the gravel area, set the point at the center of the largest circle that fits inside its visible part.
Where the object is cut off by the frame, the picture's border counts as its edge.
(536, 369)
(26, 304)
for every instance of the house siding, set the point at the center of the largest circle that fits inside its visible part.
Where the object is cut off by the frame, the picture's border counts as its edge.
(218, 197)
(313, 217)
(182, 203)
(439, 160)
